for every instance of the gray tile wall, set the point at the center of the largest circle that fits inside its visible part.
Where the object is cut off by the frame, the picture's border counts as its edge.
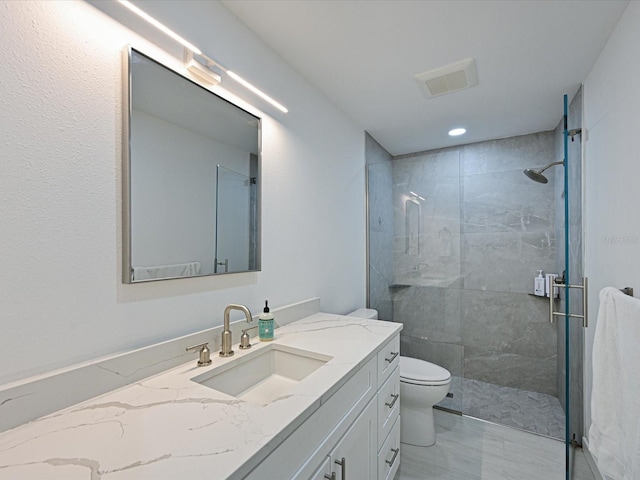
(434, 176)
(484, 230)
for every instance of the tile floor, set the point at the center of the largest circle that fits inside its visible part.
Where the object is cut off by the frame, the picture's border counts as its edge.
(531, 411)
(470, 449)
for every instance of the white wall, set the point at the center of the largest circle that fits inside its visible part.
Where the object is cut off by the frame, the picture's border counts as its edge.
(612, 167)
(60, 248)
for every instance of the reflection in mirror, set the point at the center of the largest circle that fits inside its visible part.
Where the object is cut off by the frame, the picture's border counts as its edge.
(412, 225)
(191, 178)
(235, 197)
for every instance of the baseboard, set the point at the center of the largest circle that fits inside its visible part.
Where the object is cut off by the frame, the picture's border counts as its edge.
(590, 460)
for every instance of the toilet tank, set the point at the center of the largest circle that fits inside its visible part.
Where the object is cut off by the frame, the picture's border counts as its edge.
(369, 313)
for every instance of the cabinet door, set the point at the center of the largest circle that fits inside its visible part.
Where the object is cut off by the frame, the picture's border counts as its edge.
(324, 471)
(358, 448)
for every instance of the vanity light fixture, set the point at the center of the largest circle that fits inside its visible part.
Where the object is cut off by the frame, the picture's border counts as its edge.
(201, 69)
(163, 28)
(255, 90)
(457, 131)
(204, 73)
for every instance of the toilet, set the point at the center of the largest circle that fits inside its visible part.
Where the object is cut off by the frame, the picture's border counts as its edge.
(422, 385)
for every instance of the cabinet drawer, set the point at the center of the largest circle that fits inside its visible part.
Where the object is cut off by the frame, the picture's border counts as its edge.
(389, 456)
(388, 405)
(388, 359)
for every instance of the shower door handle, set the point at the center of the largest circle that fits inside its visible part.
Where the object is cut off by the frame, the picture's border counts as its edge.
(585, 296)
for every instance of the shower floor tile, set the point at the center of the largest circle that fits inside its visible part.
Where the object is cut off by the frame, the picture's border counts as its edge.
(530, 411)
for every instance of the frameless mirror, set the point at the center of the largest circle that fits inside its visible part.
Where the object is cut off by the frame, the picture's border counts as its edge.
(191, 175)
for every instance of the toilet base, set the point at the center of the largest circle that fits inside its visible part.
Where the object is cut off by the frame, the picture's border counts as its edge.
(417, 427)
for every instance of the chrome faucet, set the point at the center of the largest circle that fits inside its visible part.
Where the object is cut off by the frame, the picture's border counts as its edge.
(226, 350)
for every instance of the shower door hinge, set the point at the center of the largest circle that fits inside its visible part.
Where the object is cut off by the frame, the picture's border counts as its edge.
(574, 443)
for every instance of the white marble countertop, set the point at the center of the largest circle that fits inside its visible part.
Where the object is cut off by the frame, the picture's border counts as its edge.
(169, 427)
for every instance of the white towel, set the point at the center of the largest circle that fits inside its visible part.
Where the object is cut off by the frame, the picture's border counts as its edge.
(614, 436)
(166, 271)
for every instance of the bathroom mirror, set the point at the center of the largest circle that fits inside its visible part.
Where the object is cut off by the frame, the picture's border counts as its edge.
(191, 178)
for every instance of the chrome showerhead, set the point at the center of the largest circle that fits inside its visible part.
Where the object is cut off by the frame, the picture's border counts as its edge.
(536, 175)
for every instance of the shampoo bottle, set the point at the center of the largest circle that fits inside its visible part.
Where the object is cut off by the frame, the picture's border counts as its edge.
(266, 324)
(539, 284)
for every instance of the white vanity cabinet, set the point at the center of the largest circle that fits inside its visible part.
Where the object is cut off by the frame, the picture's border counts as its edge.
(388, 410)
(354, 457)
(358, 424)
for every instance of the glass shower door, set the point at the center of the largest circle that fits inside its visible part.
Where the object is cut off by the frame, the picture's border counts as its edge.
(414, 258)
(574, 290)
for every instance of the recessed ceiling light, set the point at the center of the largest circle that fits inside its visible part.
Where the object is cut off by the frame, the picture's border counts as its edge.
(457, 131)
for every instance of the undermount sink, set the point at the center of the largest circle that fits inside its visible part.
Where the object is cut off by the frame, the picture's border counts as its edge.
(265, 375)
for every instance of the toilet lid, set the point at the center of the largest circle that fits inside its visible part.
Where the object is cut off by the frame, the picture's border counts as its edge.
(416, 370)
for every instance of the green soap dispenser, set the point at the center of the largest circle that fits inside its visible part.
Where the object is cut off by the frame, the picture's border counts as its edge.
(266, 324)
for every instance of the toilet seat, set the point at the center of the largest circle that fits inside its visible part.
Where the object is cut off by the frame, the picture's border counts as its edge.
(419, 372)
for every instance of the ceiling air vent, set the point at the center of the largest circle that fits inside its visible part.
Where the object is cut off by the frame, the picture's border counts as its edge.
(454, 77)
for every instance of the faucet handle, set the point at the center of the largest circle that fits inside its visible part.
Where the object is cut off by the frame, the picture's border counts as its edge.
(205, 353)
(245, 339)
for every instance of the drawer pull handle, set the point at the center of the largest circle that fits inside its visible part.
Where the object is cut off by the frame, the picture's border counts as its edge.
(395, 454)
(393, 357)
(343, 465)
(332, 477)
(392, 402)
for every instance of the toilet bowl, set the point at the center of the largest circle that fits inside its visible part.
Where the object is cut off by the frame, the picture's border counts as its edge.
(422, 385)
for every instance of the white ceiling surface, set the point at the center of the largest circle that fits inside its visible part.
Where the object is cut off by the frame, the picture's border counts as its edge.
(363, 55)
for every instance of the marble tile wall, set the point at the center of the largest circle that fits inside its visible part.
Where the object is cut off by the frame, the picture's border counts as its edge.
(485, 228)
(422, 310)
(434, 178)
(508, 340)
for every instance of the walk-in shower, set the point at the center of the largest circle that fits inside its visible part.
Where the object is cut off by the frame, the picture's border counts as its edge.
(455, 237)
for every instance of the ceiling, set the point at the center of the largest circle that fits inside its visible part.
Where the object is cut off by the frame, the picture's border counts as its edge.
(363, 56)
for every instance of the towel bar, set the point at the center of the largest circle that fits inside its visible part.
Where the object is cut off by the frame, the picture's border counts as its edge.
(627, 291)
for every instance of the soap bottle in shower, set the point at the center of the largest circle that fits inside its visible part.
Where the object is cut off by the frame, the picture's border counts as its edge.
(539, 284)
(266, 323)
